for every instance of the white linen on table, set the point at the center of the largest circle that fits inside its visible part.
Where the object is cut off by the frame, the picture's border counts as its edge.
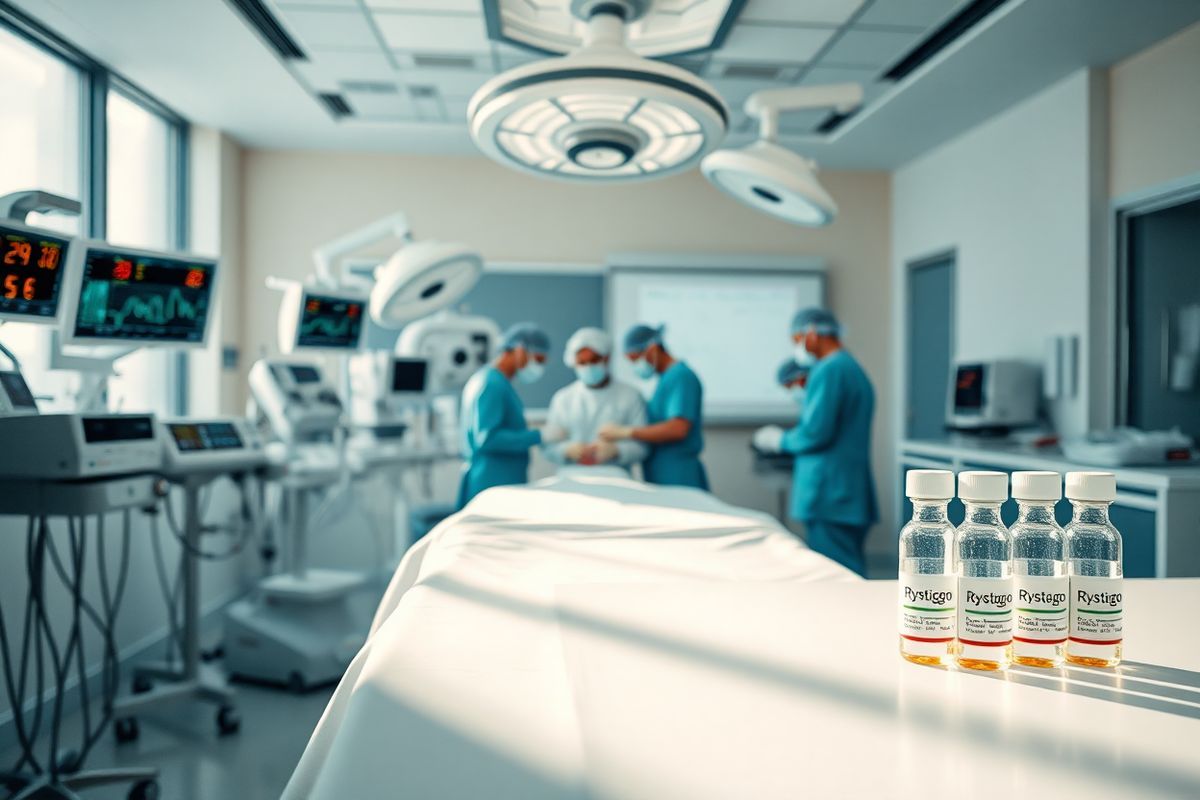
(461, 689)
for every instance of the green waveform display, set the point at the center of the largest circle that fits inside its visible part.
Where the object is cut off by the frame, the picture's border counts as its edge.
(146, 312)
(330, 323)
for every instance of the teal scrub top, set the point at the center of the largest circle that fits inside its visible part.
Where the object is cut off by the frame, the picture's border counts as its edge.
(495, 440)
(832, 479)
(678, 394)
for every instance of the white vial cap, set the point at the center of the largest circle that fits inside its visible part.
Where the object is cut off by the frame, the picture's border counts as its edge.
(1037, 486)
(1098, 487)
(983, 487)
(929, 484)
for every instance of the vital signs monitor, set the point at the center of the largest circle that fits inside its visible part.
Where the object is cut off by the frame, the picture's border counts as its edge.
(32, 262)
(139, 297)
(313, 318)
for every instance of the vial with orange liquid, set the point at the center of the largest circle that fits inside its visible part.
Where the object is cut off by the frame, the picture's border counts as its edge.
(928, 583)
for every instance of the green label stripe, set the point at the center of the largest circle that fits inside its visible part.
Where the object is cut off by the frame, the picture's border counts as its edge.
(1043, 610)
(1089, 611)
(990, 613)
(922, 608)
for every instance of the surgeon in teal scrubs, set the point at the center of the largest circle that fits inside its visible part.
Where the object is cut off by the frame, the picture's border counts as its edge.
(675, 425)
(833, 492)
(495, 438)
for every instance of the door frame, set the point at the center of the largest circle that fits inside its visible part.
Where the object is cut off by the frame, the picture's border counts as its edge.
(910, 266)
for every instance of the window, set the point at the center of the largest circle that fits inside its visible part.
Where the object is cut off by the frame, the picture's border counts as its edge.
(140, 213)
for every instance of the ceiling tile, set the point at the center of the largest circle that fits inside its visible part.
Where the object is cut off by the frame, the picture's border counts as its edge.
(286, 4)
(382, 106)
(821, 12)
(735, 92)
(326, 69)
(432, 33)
(870, 48)
(775, 44)
(922, 14)
(456, 107)
(801, 122)
(429, 6)
(330, 27)
(820, 75)
(449, 81)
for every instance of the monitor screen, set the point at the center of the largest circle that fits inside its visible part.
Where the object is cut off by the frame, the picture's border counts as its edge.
(305, 374)
(334, 322)
(192, 437)
(31, 267)
(968, 388)
(117, 429)
(408, 375)
(138, 297)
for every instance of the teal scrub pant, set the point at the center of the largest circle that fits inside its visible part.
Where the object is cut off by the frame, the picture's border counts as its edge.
(842, 543)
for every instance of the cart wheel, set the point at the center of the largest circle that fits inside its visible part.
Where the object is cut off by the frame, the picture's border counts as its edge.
(228, 720)
(144, 790)
(141, 684)
(296, 683)
(126, 729)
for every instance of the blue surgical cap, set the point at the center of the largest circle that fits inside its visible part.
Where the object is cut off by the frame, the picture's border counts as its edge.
(790, 371)
(820, 320)
(527, 335)
(640, 337)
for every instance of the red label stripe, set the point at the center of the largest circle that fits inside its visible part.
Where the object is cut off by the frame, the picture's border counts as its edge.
(923, 639)
(1039, 641)
(1095, 641)
(986, 644)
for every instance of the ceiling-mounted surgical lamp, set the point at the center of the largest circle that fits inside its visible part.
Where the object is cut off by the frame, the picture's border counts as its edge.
(769, 177)
(420, 278)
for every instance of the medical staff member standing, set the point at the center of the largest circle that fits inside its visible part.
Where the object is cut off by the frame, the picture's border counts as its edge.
(793, 377)
(584, 406)
(674, 430)
(495, 438)
(833, 492)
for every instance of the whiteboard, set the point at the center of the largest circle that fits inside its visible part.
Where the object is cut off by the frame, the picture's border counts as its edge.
(732, 326)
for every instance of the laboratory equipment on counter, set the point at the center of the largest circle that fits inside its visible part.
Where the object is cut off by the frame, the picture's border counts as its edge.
(771, 178)
(1039, 571)
(1126, 447)
(298, 629)
(195, 453)
(927, 614)
(991, 396)
(1097, 626)
(983, 551)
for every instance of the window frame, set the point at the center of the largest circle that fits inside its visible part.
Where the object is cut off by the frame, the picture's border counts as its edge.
(96, 81)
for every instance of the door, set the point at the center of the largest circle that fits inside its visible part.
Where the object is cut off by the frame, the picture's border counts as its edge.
(930, 345)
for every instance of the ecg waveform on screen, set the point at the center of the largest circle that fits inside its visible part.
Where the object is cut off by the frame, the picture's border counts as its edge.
(155, 310)
(118, 309)
(327, 327)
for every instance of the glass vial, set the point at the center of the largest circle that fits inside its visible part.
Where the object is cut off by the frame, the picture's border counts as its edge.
(1040, 583)
(1094, 565)
(928, 582)
(983, 552)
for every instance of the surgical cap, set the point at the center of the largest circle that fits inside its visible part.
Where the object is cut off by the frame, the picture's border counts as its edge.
(790, 371)
(640, 337)
(527, 335)
(591, 338)
(820, 320)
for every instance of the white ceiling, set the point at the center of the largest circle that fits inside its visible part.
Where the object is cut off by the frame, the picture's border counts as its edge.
(408, 67)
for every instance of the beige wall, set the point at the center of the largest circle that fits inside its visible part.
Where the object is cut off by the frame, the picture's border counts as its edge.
(296, 200)
(1155, 115)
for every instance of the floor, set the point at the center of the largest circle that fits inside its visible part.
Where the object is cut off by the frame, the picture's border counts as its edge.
(195, 764)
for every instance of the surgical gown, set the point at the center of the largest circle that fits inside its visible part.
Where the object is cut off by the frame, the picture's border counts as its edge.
(495, 439)
(833, 491)
(581, 410)
(679, 394)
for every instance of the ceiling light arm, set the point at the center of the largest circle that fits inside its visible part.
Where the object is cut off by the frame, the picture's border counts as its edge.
(325, 256)
(19, 205)
(766, 105)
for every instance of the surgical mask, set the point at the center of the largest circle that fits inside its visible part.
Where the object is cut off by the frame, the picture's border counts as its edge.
(531, 372)
(803, 357)
(797, 393)
(591, 374)
(643, 369)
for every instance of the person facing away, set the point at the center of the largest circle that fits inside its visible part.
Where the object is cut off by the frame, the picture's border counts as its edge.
(833, 491)
(674, 429)
(592, 401)
(495, 439)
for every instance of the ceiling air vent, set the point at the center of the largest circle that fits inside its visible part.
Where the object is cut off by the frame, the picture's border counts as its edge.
(761, 72)
(834, 121)
(443, 62)
(335, 104)
(263, 21)
(369, 87)
(943, 37)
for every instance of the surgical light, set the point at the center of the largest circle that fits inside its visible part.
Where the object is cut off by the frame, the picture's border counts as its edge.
(602, 113)
(769, 177)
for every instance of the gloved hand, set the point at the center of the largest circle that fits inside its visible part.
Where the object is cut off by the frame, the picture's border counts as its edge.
(604, 451)
(612, 432)
(575, 451)
(768, 439)
(553, 434)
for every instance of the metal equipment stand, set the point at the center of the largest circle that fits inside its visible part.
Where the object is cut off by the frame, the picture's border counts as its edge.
(191, 680)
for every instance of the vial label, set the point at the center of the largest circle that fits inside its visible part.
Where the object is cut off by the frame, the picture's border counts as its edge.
(1041, 608)
(985, 611)
(1097, 610)
(927, 607)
